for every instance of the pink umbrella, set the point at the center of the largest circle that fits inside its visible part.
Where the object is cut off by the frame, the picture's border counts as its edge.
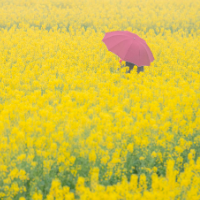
(129, 47)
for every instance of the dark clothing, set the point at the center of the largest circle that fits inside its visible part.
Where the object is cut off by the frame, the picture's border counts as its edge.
(140, 69)
(131, 66)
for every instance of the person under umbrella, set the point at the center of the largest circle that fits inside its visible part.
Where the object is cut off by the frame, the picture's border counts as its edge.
(130, 48)
(131, 66)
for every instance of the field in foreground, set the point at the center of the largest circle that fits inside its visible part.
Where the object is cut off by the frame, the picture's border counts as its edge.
(73, 127)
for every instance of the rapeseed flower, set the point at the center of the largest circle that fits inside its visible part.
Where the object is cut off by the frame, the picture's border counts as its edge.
(73, 126)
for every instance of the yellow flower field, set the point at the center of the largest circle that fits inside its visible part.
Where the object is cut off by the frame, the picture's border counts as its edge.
(74, 127)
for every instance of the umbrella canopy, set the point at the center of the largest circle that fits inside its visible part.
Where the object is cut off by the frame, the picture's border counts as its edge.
(129, 47)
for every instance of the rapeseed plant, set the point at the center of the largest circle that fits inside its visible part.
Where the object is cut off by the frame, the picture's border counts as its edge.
(72, 126)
